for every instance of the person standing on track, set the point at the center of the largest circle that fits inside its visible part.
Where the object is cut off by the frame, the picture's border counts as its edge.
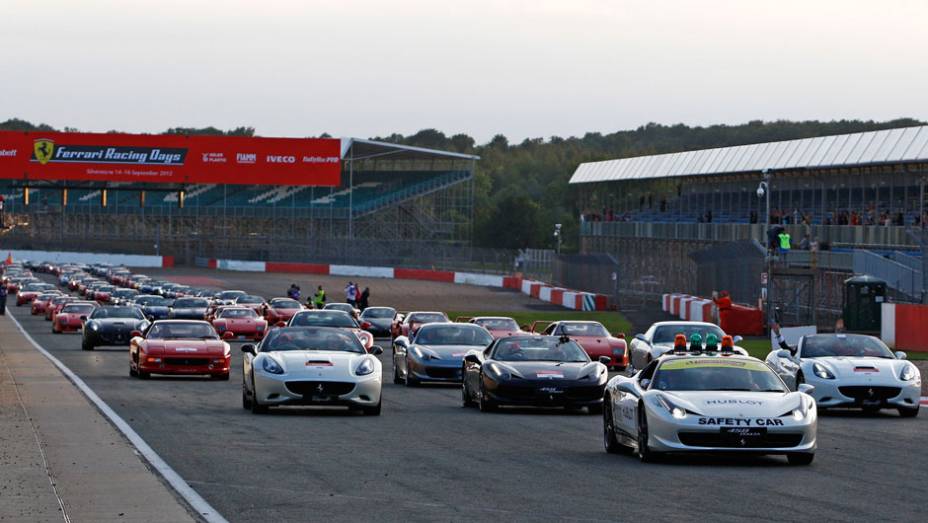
(319, 298)
(350, 292)
(2, 299)
(363, 301)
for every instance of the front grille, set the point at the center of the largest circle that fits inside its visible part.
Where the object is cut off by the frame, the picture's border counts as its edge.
(443, 373)
(734, 441)
(866, 393)
(186, 362)
(585, 393)
(523, 393)
(319, 388)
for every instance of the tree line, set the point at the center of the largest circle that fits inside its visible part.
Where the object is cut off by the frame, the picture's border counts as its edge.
(521, 189)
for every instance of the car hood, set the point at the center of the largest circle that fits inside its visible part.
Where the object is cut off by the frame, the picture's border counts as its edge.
(316, 364)
(198, 311)
(449, 352)
(505, 333)
(549, 370)
(847, 367)
(188, 348)
(118, 322)
(734, 403)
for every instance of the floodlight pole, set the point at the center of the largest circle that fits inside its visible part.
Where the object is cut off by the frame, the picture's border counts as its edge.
(768, 285)
(351, 192)
(923, 237)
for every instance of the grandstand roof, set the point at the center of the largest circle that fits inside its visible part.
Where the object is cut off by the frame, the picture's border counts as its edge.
(903, 145)
(360, 149)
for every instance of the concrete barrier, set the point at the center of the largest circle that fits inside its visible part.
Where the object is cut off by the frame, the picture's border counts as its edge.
(58, 257)
(905, 326)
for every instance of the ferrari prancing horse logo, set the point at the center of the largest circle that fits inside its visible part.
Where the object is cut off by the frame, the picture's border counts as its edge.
(44, 150)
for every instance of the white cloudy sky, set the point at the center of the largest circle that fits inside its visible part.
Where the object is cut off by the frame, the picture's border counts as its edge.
(523, 68)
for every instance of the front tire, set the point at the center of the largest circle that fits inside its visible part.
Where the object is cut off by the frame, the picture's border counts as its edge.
(908, 413)
(246, 401)
(610, 442)
(256, 408)
(372, 411)
(485, 403)
(409, 379)
(800, 458)
(644, 451)
(466, 400)
(397, 380)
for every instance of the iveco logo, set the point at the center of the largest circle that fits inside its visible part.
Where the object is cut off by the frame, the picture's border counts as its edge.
(280, 159)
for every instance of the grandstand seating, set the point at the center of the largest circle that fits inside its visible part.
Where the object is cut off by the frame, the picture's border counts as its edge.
(372, 191)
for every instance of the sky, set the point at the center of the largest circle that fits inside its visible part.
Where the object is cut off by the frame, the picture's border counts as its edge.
(534, 68)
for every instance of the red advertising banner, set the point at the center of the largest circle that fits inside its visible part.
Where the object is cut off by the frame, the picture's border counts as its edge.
(172, 159)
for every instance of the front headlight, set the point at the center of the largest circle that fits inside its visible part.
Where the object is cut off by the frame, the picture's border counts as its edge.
(909, 373)
(496, 372)
(269, 364)
(597, 373)
(822, 372)
(93, 326)
(365, 367)
(421, 354)
(675, 411)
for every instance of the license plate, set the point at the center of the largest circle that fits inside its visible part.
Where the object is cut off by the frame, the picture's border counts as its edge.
(745, 432)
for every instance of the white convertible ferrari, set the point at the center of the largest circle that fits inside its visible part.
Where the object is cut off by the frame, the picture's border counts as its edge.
(311, 366)
(850, 370)
(708, 403)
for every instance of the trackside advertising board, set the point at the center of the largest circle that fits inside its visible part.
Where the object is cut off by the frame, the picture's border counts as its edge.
(169, 158)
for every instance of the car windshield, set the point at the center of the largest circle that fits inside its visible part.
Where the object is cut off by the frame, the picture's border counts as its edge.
(344, 307)
(848, 345)
(152, 301)
(77, 309)
(230, 295)
(498, 324)
(285, 304)
(324, 319)
(378, 312)
(538, 348)
(38, 287)
(666, 333)
(583, 329)
(123, 293)
(426, 317)
(722, 374)
(188, 303)
(181, 331)
(249, 299)
(118, 312)
(310, 338)
(450, 334)
(238, 313)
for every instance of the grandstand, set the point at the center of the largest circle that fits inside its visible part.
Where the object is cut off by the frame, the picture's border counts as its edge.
(392, 199)
(859, 196)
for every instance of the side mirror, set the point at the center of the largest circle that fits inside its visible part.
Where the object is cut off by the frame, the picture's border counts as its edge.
(628, 387)
(472, 358)
(640, 337)
(605, 360)
(135, 334)
(737, 339)
(376, 350)
(228, 335)
(401, 341)
(805, 387)
(83, 318)
(366, 325)
(249, 348)
(644, 383)
(620, 336)
(783, 353)
(901, 355)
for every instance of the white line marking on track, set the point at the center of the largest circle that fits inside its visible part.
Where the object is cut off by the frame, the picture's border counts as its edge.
(199, 505)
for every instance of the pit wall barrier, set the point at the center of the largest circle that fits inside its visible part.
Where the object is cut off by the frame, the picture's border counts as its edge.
(741, 320)
(581, 301)
(58, 257)
(905, 326)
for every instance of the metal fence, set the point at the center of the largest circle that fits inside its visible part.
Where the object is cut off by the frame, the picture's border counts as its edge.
(733, 266)
(900, 276)
(598, 273)
(873, 236)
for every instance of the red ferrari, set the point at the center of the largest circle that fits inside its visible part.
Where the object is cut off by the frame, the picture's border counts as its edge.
(408, 325)
(72, 316)
(179, 347)
(42, 301)
(55, 305)
(593, 337)
(31, 290)
(280, 310)
(235, 321)
(499, 326)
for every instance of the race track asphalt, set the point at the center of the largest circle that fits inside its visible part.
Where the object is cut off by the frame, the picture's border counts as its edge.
(427, 458)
